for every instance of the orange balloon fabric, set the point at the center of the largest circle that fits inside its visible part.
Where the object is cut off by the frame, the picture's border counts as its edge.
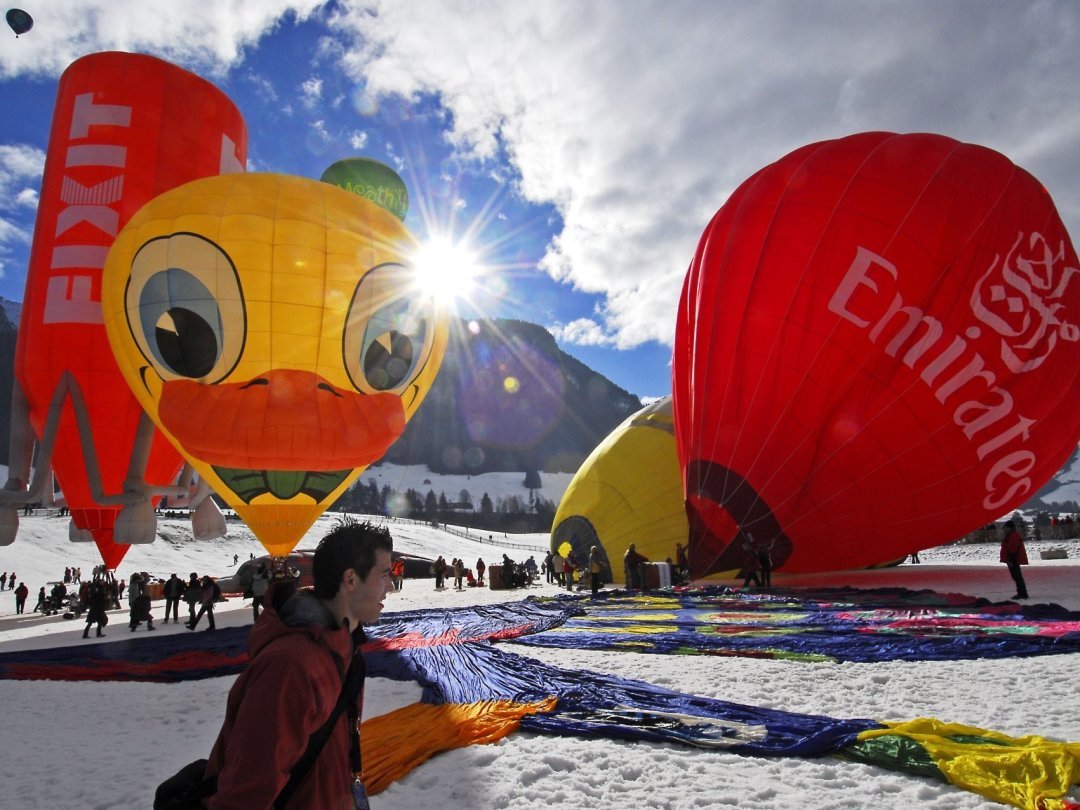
(877, 350)
(126, 127)
(396, 742)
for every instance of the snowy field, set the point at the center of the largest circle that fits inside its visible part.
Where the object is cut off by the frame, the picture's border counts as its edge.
(103, 746)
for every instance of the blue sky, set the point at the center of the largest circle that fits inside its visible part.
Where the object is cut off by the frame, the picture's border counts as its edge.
(581, 147)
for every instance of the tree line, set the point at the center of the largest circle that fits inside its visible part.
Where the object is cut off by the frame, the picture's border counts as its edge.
(510, 513)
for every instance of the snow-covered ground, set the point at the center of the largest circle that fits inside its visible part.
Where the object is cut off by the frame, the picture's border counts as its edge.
(103, 746)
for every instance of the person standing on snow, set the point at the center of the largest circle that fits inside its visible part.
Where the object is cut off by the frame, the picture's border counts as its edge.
(596, 567)
(97, 601)
(193, 596)
(210, 595)
(20, 597)
(173, 591)
(1013, 554)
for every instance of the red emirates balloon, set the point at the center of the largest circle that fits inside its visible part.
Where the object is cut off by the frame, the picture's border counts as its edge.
(877, 351)
(126, 127)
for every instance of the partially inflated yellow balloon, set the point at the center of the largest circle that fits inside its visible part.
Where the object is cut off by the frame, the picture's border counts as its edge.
(629, 490)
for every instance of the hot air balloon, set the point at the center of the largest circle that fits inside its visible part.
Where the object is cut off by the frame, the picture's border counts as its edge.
(877, 350)
(272, 328)
(19, 21)
(115, 144)
(628, 491)
(371, 180)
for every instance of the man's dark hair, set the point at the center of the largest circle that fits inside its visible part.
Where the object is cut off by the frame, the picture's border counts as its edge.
(349, 544)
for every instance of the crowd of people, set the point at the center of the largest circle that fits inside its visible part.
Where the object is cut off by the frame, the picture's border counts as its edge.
(73, 596)
(464, 576)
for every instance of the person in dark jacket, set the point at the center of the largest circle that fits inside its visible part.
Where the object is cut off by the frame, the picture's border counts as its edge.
(193, 596)
(97, 601)
(632, 568)
(300, 651)
(211, 593)
(751, 563)
(139, 600)
(763, 550)
(1013, 554)
(20, 598)
(173, 592)
(439, 569)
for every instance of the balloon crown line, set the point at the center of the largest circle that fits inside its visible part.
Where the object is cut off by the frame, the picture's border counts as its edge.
(371, 180)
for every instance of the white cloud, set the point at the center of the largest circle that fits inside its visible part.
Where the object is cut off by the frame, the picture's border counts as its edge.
(319, 128)
(264, 88)
(208, 37)
(9, 232)
(637, 120)
(19, 162)
(20, 174)
(581, 332)
(358, 140)
(311, 92)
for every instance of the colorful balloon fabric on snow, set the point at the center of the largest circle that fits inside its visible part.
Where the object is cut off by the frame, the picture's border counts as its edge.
(876, 351)
(124, 130)
(475, 693)
(272, 328)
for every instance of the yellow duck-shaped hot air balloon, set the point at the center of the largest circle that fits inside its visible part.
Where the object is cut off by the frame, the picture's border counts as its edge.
(272, 328)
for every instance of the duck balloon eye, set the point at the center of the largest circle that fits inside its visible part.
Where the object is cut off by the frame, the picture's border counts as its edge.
(389, 332)
(184, 307)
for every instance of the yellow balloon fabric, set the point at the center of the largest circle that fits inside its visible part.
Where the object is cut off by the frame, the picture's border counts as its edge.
(396, 742)
(1030, 772)
(629, 490)
(273, 329)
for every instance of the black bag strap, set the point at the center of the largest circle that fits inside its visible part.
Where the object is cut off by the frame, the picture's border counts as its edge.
(350, 689)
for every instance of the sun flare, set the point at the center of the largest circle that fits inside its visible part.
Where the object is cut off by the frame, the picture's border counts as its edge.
(446, 269)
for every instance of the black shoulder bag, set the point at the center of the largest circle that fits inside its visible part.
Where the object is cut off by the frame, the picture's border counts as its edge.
(187, 788)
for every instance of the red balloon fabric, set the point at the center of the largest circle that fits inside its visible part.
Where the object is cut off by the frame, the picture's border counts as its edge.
(126, 127)
(876, 352)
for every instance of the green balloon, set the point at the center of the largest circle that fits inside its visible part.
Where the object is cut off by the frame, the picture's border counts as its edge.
(371, 180)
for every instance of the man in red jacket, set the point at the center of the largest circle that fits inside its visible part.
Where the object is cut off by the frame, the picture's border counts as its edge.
(1013, 554)
(300, 652)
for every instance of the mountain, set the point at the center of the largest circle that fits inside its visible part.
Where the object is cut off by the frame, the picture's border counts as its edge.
(508, 399)
(11, 309)
(1062, 492)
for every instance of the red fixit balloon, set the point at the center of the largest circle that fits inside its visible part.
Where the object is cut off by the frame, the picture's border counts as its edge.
(877, 350)
(126, 127)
